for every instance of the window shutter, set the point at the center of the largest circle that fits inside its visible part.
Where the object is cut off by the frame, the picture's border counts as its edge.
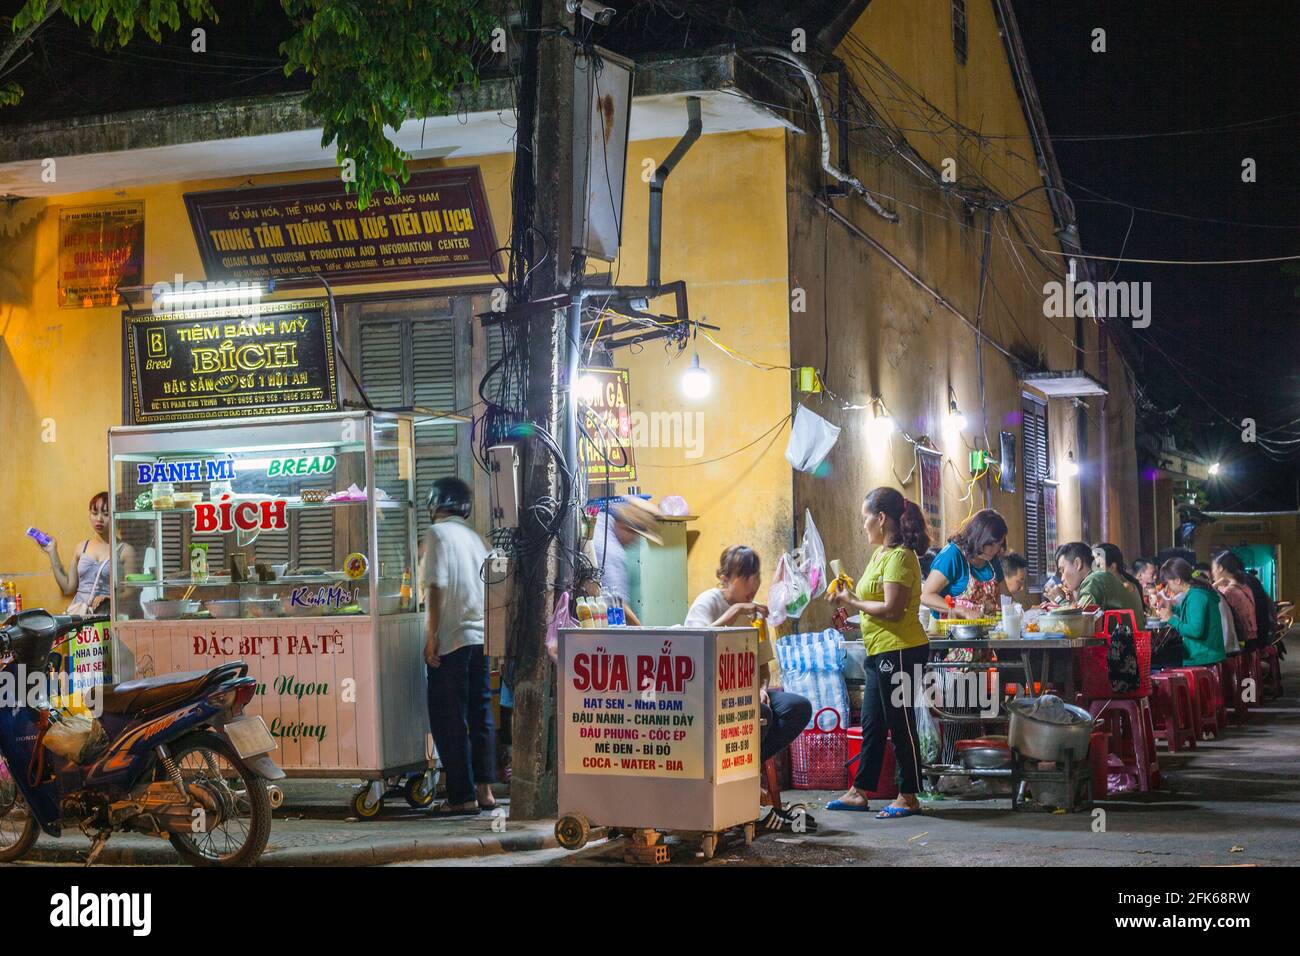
(433, 376)
(316, 539)
(1035, 470)
(381, 364)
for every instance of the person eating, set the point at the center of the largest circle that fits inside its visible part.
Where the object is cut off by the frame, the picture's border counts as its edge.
(1085, 584)
(1015, 570)
(785, 715)
(1194, 614)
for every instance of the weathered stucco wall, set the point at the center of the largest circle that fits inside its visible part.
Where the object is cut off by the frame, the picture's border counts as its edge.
(724, 232)
(877, 332)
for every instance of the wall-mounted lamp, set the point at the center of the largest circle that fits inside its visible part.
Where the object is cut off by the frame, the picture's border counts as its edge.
(1071, 467)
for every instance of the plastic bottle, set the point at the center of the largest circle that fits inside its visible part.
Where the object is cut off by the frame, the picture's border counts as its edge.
(404, 594)
(585, 618)
(613, 609)
(601, 614)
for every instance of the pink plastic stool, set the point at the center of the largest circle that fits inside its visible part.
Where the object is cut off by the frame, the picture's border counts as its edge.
(1232, 689)
(1171, 710)
(1271, 662)
(1206, 694)
(1132, 737)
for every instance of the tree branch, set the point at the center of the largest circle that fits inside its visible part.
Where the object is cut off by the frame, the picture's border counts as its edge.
(10, 50)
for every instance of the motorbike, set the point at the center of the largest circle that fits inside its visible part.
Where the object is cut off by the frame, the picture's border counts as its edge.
(171, 756)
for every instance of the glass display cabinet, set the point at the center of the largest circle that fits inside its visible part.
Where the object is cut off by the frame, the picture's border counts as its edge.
(289, 543)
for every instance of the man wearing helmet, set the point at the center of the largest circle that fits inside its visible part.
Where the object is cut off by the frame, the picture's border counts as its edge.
(460, 698)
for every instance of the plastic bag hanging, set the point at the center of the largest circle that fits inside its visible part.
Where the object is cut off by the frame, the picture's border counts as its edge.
(811, 440)
(813, 557)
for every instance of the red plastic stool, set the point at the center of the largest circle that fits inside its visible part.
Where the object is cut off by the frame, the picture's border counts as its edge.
(1132, 737)
(1223, 688)
(1232, 689)
(1252, 680)
(1195, 691)
(1271, 662)
(1171, 710)
(887, 784)
(1098, 754)
(1206, 695)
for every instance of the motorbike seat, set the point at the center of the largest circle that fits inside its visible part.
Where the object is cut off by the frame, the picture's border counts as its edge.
(149, 693)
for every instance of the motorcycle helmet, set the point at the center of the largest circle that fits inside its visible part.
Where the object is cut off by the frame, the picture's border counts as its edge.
(451, 495)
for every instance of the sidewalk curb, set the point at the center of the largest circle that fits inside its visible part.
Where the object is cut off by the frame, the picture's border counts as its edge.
(360, 853)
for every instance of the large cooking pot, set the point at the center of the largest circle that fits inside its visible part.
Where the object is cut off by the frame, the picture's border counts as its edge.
(1043, 740)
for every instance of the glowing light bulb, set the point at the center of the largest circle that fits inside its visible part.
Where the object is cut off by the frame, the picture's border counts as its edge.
(1070, 468)
(1215, 468)
(696, 383)
(956, 420)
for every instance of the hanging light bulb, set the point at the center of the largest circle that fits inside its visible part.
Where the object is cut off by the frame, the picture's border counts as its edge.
(879, 425)
(956, 420)
(1215, 469)
(696, 383)
(1071, 467)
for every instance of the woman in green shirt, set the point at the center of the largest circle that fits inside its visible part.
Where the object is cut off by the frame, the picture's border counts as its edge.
(1195, 617)
(888, 597)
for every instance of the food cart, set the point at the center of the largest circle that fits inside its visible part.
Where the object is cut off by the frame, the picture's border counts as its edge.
(289, 543)
(658, 731)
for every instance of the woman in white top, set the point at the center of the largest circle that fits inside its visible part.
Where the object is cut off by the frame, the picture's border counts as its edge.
(731, 603)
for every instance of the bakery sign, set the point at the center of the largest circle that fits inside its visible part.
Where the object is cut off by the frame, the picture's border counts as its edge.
(276, 359)
(439, 225)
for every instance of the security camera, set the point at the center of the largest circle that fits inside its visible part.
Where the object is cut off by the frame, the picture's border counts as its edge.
(593, 11)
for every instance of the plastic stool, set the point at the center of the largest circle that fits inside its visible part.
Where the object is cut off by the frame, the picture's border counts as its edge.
(1132, 737)
(1249, 670)
(1098, 754)
(1271, 661)
(1232, 689)
(1205, 699)
(1171, 710)
(1195, 691)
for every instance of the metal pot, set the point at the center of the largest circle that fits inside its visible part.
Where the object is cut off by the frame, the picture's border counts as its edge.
(168, 610)
(1043, 740)
(968, 632)
(1070, 623)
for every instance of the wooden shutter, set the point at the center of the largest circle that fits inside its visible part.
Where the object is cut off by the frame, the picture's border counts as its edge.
(382, 366)
(433, 376)
(1034, 469)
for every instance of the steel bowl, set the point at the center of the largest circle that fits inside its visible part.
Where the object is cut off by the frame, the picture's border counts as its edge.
(985, 758)
(1043, 740)
(968, 632)
(168, 610)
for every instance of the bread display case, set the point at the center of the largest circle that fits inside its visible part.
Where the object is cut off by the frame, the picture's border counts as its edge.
(289, 543)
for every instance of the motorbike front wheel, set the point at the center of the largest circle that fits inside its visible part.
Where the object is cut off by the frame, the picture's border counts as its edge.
(207, 760)
(18, 827)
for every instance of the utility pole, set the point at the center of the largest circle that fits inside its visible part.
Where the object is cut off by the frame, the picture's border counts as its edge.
(533, 776)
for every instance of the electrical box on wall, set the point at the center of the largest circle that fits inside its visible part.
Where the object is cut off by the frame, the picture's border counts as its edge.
(503, 473)
(498, 595)
(979, 460)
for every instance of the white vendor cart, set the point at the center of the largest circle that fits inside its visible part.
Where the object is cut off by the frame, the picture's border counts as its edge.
(301, 578)
(659, 730)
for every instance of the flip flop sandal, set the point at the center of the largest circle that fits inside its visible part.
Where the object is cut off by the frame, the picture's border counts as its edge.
(892, 812)
(841, 805)
(445, 811)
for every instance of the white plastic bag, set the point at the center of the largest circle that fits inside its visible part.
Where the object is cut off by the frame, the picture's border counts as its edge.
(927, 728)
(811, 440)
(812, 557)
(789, 593)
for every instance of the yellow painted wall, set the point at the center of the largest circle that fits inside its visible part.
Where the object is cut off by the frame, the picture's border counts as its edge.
(60, 369)
(886, 335)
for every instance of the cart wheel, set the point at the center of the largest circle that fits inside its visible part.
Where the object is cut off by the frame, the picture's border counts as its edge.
(709, 844)
(362, 806)
(749, 833)
(572, 831)
(419, 790)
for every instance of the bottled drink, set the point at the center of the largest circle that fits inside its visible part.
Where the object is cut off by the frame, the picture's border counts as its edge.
(601, 612)
(404, 595)
(585, 618)
(613, 610)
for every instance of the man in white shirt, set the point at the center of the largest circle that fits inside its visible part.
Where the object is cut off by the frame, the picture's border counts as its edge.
(460, 697)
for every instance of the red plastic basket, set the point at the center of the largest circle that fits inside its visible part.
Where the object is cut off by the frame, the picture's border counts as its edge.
(1095, 673)
(817, 756)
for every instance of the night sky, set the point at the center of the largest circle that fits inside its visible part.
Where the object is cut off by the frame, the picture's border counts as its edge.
(1223, 339)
